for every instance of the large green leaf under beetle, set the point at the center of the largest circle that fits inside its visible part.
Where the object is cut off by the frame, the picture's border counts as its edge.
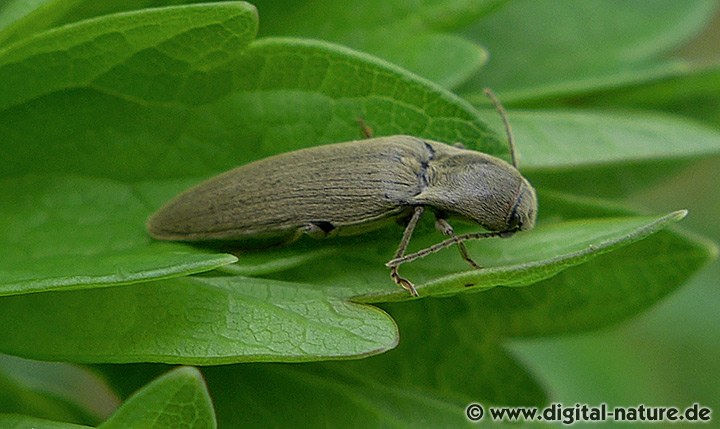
(356, 268)
(223, 319)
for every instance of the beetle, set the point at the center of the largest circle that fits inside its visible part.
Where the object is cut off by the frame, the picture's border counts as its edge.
(354, 187)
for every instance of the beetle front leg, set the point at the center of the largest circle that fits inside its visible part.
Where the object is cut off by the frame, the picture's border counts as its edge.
(445, 228)
(400, 252)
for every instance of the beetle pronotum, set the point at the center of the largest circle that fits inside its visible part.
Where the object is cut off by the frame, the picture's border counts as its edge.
(353, 187)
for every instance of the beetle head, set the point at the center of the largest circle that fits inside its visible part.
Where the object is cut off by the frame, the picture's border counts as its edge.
(484, 189)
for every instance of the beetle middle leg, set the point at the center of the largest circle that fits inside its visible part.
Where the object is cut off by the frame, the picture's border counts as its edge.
(400, 252)
(445, 228)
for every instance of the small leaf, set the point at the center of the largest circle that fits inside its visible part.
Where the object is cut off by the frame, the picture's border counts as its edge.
(193, 320)
(177, 399)
(53, 390)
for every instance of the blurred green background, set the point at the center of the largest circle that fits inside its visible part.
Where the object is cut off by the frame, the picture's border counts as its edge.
(669, 354)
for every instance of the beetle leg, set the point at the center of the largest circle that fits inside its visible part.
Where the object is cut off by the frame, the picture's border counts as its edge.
(445, 228)
(402, 282)
(400, 252)
(365, 129)
(444, 244)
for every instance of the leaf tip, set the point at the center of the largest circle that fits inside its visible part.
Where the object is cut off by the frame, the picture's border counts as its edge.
(678, 215)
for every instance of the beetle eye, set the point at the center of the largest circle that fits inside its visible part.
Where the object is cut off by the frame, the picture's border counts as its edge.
(514, 220)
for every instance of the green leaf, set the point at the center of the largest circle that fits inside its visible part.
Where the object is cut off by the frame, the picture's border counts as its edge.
(22, 18)
(414, 36)
(601, 292)
(66, 233)
(264, 110)
(447, 359)
(177, 399)
(551, 140)
(16, 421)
(136, 71)
(606, 153)
(550, 48)
(392, 392)
(357, 268)
(342, 397)
(193, 320)
(329, 89)
(120, 54)
(402, 385)
(694, 94)
(19, 18)
(52, 390)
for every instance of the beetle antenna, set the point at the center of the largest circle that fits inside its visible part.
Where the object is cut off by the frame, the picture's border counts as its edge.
(503, 114)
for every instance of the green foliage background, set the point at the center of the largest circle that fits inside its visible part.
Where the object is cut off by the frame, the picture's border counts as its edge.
(107, 109)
